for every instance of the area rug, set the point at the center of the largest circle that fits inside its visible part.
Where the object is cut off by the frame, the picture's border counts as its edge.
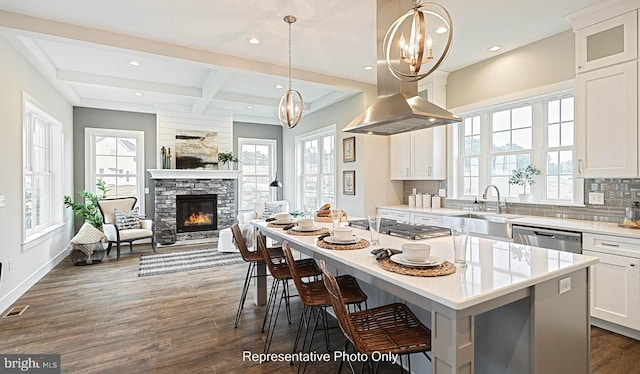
(183, 261)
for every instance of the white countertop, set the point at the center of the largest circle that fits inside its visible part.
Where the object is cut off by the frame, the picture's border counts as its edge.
(495, 268)
(606, 228)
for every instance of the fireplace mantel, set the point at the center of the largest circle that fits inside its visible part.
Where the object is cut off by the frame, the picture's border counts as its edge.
(193, 174)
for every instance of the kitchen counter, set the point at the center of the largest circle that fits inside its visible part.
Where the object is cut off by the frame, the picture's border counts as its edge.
(512, 287)
(606, 228)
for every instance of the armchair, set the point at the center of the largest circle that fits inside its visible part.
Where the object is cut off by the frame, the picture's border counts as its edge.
(129, 228)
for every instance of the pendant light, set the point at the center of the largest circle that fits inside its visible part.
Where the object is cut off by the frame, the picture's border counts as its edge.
(418, 49)
(291, 104)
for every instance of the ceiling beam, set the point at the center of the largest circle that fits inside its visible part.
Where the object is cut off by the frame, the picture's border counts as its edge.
(130, 84)
(214, 81)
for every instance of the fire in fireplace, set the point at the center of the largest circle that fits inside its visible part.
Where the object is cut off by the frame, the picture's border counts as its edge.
(196, 212)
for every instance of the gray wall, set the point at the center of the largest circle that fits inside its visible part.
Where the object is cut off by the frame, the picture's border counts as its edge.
(259, 131)
(111, 119)
(541, 63)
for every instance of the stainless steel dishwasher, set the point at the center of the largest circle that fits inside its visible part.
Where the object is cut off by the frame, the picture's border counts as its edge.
(568, 241)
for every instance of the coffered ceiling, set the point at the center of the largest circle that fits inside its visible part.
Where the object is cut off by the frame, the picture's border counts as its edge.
(195, 57)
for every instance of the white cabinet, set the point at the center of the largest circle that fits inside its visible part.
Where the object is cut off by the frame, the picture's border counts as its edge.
(606, 43)
(606, 122)
(397, 215)
(426, 219)
(419, 155)
(606, 92)
(615, 280)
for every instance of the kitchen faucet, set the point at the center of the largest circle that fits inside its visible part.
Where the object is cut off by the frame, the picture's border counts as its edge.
(502, 206)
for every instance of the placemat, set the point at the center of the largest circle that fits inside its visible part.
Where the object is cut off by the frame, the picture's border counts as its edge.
(319, 231)
(445, 269)
(363, 243)
(279, 225)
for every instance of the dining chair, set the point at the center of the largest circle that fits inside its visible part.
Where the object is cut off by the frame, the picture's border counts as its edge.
(391, 328)
(253, 258)
(316, 299)
(281, 274)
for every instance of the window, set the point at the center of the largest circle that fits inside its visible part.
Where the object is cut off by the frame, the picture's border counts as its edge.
(258, 160)
(496, 140)
(42, 171)
(117, 157)
(317, 157)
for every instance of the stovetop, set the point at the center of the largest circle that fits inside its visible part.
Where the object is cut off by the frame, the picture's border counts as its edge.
(405, 230)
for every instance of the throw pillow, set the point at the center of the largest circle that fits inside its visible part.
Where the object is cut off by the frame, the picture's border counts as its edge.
(272, 207)
(126, 221)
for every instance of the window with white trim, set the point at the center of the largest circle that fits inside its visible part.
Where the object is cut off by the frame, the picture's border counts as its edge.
(258, 163)
(42, 171)
(317, 157)
(116, 157)
(496, 140)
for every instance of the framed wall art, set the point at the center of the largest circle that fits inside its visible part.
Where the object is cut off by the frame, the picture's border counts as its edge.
(349, 149)
(349, 182)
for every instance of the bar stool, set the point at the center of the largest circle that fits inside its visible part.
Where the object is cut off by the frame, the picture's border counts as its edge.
(281, 274)
(391, 328)
(316, 299)
(253, 258)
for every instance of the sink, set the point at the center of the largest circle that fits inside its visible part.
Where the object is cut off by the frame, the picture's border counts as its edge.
(491, 226)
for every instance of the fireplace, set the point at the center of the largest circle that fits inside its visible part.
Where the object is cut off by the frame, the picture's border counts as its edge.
(196, 212)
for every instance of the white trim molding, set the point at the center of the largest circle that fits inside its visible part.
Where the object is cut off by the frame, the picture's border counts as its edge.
(193, 174)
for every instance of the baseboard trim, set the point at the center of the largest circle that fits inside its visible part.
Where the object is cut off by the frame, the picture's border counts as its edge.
(622, 330)
(23, 287)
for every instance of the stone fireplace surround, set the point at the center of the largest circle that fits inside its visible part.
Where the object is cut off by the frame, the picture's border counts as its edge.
(171, 182)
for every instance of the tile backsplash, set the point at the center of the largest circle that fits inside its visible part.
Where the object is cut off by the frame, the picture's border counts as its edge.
(619, 193)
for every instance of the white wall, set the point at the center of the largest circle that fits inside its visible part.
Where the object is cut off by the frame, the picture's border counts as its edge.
(169, 122)
(17, 76)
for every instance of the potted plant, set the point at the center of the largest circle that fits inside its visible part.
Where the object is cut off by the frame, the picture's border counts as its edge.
(226, 158)
(523, 177)
(89, 208)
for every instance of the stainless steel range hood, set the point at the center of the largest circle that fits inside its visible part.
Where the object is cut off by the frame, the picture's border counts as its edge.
(398, 108)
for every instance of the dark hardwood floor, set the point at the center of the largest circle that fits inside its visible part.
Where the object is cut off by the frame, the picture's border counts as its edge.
(103, 318)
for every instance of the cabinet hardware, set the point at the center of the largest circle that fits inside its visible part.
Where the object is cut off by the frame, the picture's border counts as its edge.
(429, 170)
(610, 244)
(579, 166)
(632, 265)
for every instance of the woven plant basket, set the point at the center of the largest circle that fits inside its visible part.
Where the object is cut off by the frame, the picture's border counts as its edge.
(80, 258)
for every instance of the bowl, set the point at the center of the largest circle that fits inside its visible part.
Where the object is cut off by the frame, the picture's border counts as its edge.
(305, 223)
(416, 251)
(283, 217)
(343, 233)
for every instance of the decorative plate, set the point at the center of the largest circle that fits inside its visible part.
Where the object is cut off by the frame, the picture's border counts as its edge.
(310, 229)
(431, 261)
(333, 240)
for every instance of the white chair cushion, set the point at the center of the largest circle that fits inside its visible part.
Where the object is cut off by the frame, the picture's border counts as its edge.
(134, 233)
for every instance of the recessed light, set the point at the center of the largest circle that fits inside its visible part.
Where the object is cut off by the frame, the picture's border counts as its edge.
(369, 132)
(367, 68)
(432, 120)
(279, 86)
(138, 93)
(134, 63)
(494, 48)
(254, 41)
(441, 30)
(249, 107)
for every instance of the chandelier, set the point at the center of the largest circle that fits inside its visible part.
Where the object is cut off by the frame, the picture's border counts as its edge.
(291, 104)
(405, 58)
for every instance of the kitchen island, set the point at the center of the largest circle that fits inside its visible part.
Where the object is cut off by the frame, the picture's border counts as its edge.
(504, 312)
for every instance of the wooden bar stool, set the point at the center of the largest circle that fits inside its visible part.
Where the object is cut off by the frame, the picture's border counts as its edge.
(253, 258)
(316, 299)
(281, 275)
(391, 328)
